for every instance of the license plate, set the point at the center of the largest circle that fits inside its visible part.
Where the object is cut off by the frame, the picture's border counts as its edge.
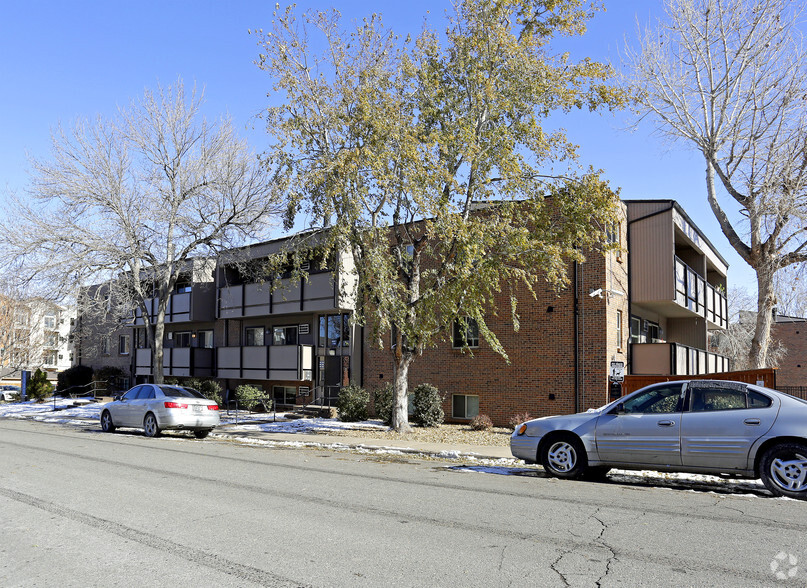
(197, 408)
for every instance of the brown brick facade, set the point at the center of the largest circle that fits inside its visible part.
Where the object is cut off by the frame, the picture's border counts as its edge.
(793, 368)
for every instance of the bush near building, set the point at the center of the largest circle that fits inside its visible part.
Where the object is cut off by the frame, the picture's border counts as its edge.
(428, 406)
(352, 403)
(382, 403)
(39, 387)
(247, 397)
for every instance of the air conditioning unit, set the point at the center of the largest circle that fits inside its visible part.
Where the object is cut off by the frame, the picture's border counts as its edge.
(305, 266)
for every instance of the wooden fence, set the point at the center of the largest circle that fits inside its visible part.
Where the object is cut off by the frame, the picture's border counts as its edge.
(766, 375)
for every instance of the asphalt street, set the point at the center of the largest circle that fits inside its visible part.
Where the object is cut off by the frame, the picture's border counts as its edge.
(81, 508)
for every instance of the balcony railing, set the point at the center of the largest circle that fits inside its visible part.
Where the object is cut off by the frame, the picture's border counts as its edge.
(696, 294)
(317, 294)
(675, 359)
(177, 362)
(274, 362)
(196, 305)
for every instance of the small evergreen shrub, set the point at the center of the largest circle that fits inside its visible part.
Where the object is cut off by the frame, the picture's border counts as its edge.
(38, 386)
(481, 422)
(518, 418)
(382, 403)
(107, 377)
(428, 406)
(74, 380)
(247, 396)
(210, 388)
(352, 403)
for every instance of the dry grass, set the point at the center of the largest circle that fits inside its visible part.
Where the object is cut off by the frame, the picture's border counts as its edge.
(450, 434)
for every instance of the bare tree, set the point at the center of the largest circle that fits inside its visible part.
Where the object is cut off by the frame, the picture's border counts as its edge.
(728, 77)
(131, 201)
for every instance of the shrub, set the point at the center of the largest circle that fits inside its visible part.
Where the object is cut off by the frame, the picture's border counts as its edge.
(247, 396)
(382, 403)
(38, 387)
(210, 388)
(74, 380)
(428, 406)
(108, 377)
(352, 403)
(518, 418)
(481, 422)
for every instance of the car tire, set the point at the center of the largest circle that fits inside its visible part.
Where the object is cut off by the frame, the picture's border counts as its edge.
(107, 426)
(150, 426)
(783, 470)
(564, 457)
(201, 433)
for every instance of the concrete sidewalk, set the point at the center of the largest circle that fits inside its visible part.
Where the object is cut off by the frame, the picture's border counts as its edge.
(407, 446)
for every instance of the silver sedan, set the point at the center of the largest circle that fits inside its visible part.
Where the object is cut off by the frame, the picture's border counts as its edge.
(156, 408)
(697, 426)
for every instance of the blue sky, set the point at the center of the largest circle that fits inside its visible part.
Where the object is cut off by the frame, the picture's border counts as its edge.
(65, 60)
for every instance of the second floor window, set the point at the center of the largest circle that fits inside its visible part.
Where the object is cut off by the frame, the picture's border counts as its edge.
(466, 333)
(182, 339)
(284, 335)
(204, 339)
(50, 321)
(123, 345)
(334, 330)
(253, 336)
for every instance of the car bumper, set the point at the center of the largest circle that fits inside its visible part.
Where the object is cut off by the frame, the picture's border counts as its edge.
(189, 421)
(524, 447)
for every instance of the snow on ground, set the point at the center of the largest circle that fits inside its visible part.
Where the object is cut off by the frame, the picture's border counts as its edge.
(240, 425)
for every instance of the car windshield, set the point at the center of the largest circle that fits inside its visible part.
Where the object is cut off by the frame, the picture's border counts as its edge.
(177, 392)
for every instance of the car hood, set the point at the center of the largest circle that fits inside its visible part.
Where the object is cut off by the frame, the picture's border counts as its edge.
(579, 422)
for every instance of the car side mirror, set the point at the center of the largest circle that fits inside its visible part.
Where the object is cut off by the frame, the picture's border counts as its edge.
(618, 409)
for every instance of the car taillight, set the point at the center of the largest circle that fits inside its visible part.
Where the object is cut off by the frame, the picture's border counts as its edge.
(175, 405)
(212, 407)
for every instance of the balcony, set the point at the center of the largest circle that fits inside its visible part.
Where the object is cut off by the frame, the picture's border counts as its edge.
(183, 362)
(675, 359)
(275, 362)
(695, 294)
(319, 293)
(195, 305)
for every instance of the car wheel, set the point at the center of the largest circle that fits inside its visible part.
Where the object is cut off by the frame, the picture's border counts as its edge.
(201, 434)
(784, 470)
(150, 426)
(564, 457)
(107, 426)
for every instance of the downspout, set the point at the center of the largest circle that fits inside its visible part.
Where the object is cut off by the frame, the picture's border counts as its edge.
(576, 340)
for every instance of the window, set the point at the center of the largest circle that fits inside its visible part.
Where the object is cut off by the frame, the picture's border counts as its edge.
(49, 358)
(619, 329)
(713, 398)
(334, 330)
(105, 345)
(123, 345)
(132, 394)
(284, 394)
(612, 233)
(50, 321)
(204, 339)
(464, 406)
(52, 340)
(141, 341)
(661, 399)
(182, 339)
(284, 335)
(253, 336)
(466, 333)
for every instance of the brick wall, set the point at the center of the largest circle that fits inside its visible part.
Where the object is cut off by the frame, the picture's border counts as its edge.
(793, 368)
(541, 353)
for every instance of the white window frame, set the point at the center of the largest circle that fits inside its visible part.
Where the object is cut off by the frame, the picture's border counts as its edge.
(471, 341)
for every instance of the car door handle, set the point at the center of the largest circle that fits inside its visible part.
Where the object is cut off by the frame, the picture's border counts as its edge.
(666, 423)
(751, 421)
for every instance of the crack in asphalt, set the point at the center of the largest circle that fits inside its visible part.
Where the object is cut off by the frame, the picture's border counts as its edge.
(190, 554)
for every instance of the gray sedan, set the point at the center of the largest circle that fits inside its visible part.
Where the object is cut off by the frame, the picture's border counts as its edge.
(155, 408)
(697, 426)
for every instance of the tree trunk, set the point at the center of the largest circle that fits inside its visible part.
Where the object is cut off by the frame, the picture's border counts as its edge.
(400, 393)
(157, 349)
(758, 353)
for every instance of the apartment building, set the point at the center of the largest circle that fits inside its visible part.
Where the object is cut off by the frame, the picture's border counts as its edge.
(648, 306)
(791, 333)
(35, 334)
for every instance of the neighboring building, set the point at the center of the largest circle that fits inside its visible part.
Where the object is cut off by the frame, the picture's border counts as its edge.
(791, 333)
(648, 305)
(36, 334)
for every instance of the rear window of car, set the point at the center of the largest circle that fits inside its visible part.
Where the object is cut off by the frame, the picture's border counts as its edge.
(176, 392)
(757, 400)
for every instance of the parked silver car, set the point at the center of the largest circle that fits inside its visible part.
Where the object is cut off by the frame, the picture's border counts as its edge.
(9, 393)
(698, 426)
(156, 408)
